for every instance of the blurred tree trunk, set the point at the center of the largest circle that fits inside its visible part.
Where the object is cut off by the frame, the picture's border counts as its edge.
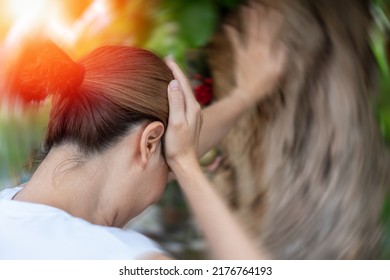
(307, 169)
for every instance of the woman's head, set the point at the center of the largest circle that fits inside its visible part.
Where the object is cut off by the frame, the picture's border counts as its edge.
(100, 98)
(111, 104)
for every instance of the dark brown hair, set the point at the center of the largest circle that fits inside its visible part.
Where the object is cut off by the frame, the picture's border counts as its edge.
(97, 100)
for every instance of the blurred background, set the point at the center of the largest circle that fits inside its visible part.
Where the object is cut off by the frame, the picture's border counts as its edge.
(168, 27)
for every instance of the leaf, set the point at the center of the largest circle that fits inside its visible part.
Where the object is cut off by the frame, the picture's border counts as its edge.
(197, 21)
(384, 119)
(164, 41)
(378, 44)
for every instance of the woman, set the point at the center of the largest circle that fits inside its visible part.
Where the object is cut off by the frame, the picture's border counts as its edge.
(113, 134)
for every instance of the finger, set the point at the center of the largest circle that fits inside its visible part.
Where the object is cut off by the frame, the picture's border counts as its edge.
(176, 103)
(178, 74)
(260, 10)
(189, 97)
(250, 22)
(259, 29)
(234, 38)
(252, 17)
(274, 23)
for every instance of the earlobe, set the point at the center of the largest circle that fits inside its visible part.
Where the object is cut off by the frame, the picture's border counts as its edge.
(151, 140)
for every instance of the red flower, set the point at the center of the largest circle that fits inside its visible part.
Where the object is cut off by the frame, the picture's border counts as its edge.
(208, 81)
(203, 92)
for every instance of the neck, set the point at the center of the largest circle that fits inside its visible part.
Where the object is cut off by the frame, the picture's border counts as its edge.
(76, 187)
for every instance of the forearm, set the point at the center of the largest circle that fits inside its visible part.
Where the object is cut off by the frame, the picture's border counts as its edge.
(224, 235)
(218, 119)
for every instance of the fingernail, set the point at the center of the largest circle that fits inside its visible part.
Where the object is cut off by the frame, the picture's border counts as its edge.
(174, 85)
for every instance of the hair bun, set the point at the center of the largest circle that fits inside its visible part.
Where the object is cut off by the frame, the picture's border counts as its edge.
(43, 69)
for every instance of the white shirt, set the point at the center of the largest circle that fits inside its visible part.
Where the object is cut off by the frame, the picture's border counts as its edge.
(37, 231)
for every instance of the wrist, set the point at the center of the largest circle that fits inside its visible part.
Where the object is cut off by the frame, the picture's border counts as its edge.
(191, 179)
(185, 166)
(241, 98)
(247, 98)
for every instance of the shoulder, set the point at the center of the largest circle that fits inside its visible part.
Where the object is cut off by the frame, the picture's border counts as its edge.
(140, 245)
(9, 193)
(102, 242)
(54, 234)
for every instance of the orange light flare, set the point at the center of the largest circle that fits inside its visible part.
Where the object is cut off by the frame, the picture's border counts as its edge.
(63, 21)
(28, 18)
(50, 18)
(25, 20)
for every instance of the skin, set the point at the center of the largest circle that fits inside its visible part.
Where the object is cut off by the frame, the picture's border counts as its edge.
(137, 168)
(258, 68)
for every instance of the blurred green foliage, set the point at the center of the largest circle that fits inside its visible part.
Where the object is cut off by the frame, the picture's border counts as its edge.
(183, 25)
(380, 46)
(21, 132)
(386, 228)
(179, 26)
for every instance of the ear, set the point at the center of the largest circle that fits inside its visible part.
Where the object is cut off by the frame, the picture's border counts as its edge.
(151, 141)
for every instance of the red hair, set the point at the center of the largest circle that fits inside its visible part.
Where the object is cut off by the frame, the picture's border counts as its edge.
(97, 100)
